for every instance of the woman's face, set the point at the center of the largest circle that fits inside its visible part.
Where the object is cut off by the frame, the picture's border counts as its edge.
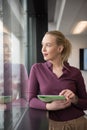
(50, 49)
(7, 49)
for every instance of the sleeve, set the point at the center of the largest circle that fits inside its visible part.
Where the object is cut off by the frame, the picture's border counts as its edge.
(23, 90)
(34, 102)
(24, 82)
(81, 92)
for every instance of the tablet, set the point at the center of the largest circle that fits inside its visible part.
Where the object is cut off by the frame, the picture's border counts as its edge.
(5, 99)
(50, 98)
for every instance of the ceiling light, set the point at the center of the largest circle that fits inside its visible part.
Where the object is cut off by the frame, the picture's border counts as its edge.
(80, 27)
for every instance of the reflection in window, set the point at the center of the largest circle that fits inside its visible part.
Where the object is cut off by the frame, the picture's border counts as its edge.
(16, 47)
(13, 73)
(1, 54)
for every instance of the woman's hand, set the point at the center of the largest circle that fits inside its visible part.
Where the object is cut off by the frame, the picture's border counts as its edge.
(58, 105)
(2, 107)
(62, 104)
(69, 95)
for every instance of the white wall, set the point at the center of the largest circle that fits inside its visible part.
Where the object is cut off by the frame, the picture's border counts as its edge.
(77, 43)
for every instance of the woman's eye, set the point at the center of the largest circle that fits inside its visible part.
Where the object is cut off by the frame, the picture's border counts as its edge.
(48, 44)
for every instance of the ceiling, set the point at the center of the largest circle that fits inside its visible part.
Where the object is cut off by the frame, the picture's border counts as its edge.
(64, 14)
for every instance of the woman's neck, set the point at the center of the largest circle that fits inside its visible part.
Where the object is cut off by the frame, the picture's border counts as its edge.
(57, 67)
(57, 63)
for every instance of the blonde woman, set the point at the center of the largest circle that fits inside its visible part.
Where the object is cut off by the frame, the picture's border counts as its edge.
(57, 77)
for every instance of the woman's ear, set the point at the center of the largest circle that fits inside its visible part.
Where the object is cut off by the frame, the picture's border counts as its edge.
(60, 48)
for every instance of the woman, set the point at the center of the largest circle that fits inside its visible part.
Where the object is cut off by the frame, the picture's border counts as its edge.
(14, 79)
(57, 77)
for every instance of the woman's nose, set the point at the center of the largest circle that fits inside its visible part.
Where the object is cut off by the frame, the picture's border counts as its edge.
(43, 49)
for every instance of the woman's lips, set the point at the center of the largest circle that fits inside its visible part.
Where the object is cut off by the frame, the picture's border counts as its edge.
(45, 55)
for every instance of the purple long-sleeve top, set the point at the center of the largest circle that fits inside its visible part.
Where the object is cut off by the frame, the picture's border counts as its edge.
(15, 84)
(43, 81)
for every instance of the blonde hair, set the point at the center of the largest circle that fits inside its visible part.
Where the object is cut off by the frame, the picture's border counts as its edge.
(62, 40)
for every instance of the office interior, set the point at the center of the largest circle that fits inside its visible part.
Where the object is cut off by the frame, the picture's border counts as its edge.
(27, 21)
(23, 23)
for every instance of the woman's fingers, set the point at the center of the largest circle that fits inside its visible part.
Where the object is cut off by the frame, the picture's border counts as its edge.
(67, 93)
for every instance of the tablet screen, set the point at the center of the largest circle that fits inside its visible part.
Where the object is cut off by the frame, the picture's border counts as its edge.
(50, 98)
(5, 99)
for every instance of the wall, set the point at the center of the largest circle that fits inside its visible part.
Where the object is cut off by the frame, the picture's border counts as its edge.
(77, 42)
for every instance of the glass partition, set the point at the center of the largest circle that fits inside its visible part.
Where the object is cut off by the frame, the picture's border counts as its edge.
(13, 58)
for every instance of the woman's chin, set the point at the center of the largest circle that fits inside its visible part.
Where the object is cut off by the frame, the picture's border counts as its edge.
(45, 58)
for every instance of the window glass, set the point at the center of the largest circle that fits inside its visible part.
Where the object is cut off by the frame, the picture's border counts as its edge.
(13, 46)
